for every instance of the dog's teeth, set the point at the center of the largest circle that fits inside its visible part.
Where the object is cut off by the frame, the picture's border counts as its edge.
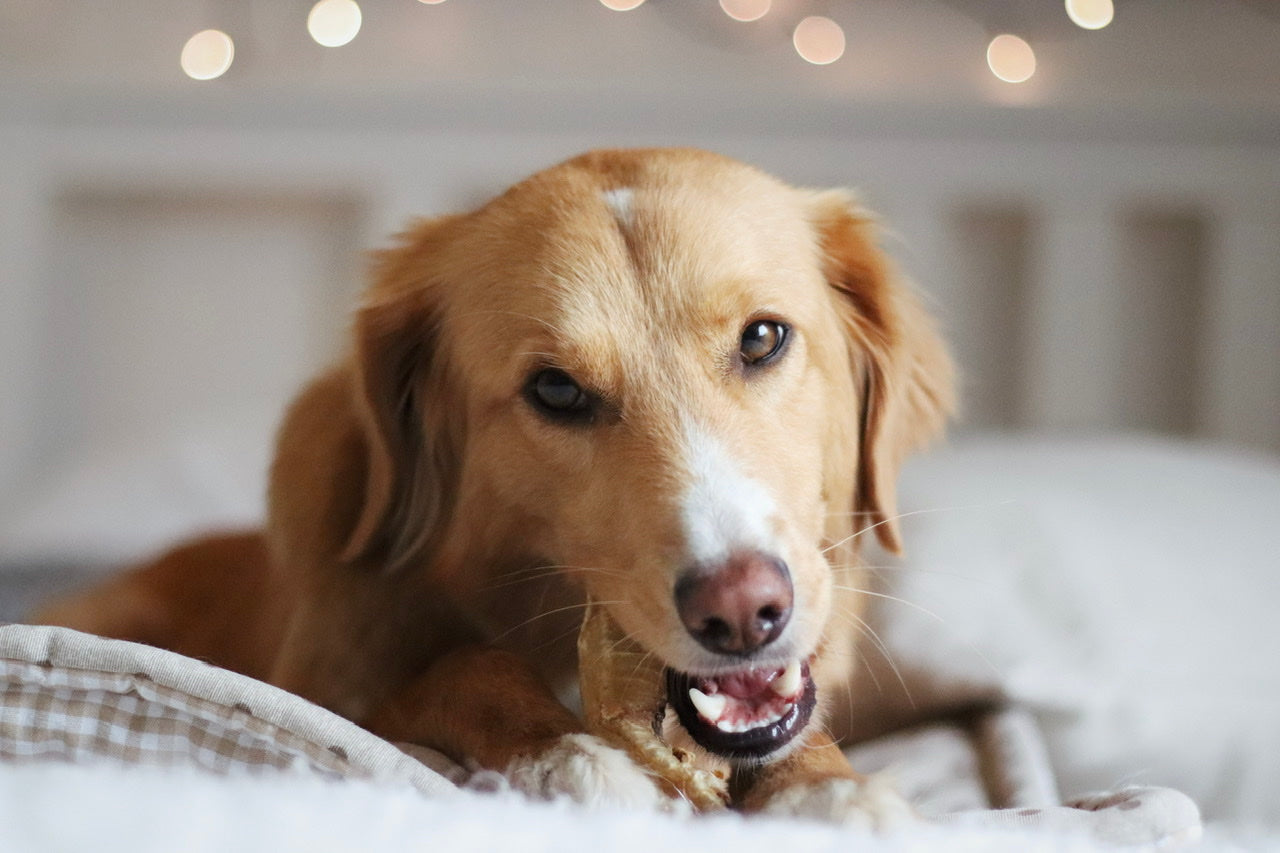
(709, 707)
(787, 684)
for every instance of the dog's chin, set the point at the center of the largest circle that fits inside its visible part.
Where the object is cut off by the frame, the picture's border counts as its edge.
(748, 715)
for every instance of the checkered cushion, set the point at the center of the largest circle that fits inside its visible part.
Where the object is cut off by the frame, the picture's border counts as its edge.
(74, 697)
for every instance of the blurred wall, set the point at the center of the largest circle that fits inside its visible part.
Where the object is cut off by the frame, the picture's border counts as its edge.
(180, 255)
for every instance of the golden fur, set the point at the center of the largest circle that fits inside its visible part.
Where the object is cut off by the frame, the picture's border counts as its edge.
(423, 514)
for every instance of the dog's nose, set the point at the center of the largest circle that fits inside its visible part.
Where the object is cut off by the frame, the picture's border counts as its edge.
(737, 607)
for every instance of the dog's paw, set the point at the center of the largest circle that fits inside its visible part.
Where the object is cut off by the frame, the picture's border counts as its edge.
(588, 771)
(871, 804)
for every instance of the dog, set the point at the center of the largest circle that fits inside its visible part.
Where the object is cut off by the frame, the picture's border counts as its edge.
(660, 379)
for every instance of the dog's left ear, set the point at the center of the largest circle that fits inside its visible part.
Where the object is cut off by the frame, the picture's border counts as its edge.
(409, 428)
(901, 369)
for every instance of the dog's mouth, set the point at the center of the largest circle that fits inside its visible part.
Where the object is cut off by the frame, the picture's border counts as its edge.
(746, 714)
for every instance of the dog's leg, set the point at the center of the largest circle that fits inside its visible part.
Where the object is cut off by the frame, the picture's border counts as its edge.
(356, 637)
(211, 598)
(817, 782)
(488, 706)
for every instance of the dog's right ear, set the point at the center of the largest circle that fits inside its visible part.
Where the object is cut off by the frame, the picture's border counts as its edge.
(401, 385)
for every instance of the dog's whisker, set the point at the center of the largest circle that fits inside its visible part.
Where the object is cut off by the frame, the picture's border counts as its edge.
(549, 568)
(551, 641)
(864, 628)
(635, 672)
(859, 659)
(543, 574)
(926, 611)
(814, 747)
(902, 515)
(848, 688)
(625, 638)
(554, 611)
(556, 568)
(861, 591)
(901, 568)
(869, 669)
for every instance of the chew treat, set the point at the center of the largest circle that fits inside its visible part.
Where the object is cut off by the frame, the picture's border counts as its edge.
(624, 701)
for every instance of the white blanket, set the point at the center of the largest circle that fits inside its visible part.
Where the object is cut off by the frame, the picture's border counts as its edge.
(102, 808)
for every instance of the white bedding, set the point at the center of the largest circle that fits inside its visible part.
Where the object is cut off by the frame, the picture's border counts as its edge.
(117, 708)
(1120, 588)
(1124, 589)
(78, 808)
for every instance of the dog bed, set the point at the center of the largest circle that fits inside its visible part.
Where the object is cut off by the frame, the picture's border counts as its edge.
(153, 731)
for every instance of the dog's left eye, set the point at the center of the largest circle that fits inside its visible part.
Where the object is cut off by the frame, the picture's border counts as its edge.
(555, 394)
(761, 341)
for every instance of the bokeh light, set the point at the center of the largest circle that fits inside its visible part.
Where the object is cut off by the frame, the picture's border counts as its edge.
(333, 23)
(1091, 14)
(819, 40)
(1011, 59)
(746, 10)
(207, 54)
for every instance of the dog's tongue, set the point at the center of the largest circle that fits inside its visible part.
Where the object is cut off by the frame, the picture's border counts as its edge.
(746, 684)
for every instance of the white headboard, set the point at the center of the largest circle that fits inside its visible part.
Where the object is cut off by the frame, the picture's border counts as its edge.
(171, 276)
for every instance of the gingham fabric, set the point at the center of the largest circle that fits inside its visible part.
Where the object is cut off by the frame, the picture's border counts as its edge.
(73, 697)
(78, 714)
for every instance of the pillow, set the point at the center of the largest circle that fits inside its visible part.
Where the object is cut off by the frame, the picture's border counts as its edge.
(1122, 588)
(75, 697)
(116, 503)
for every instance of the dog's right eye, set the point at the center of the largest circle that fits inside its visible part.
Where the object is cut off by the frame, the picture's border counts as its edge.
(555, 394)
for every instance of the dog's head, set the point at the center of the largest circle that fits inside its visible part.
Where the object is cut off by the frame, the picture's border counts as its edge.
(681, 381)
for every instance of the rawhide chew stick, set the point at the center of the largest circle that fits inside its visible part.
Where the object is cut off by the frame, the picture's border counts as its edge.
(624, 701)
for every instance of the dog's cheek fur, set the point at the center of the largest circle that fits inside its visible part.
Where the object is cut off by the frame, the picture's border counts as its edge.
(898, 359)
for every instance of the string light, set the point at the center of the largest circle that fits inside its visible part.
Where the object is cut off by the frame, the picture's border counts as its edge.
(1090, 14)
(333, 23)
(1011, 59)
(746, 10)
(207, 55)
(818, 40)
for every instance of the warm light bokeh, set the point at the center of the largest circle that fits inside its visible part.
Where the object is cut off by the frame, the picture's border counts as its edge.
(1091, 14)
(746, 10)
(819, 40)
(207, 54)
(334, 23)
(1011, 59)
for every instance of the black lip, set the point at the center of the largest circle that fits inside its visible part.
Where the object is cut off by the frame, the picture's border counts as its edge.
(749, 745)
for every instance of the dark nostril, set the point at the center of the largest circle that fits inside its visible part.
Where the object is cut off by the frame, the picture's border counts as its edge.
(715, 632)
(737, 607)
(769, 624)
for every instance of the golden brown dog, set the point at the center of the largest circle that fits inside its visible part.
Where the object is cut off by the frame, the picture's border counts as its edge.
(659, 378)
